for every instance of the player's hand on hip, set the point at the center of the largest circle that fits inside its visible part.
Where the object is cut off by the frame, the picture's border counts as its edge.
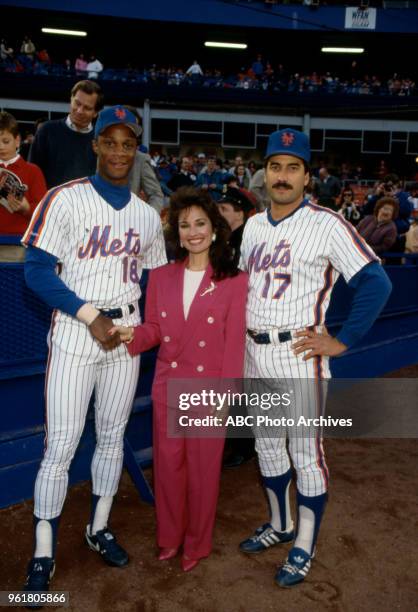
(126, 334)
(100, 330)
(313, 343)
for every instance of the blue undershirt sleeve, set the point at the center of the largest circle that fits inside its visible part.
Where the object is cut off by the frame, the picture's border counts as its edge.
(372, 289)
(41, 277)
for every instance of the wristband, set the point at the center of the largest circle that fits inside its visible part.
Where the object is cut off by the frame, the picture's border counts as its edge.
(87, 314)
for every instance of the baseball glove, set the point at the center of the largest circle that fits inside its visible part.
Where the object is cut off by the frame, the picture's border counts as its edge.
(10, 183)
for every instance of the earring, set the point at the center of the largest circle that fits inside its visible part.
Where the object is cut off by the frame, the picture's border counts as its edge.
(182, 245)
(213, 237)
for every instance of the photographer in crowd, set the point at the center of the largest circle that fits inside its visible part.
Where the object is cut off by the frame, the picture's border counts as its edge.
(347, 207)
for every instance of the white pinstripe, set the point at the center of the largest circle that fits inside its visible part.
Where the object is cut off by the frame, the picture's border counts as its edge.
(77, 364)
(308, 250)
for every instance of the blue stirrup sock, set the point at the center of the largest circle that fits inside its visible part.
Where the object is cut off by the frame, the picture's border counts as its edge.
(310, 512)
(277, 489)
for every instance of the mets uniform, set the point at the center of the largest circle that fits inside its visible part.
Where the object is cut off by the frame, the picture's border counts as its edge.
(292, 266)
(101, 251)
(294, 253)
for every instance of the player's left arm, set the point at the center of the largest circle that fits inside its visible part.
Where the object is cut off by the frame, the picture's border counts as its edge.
(372, 288)
(41, 277)
(355, 260)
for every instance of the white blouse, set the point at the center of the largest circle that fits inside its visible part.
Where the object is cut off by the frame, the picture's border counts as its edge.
(192, 280)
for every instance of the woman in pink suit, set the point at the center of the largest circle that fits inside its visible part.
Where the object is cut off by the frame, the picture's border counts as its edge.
(195, 310)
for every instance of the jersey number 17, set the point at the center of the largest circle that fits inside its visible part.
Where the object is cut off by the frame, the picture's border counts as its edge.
(285, 278)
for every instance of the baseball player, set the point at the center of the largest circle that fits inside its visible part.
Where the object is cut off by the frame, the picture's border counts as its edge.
(294, 253)
(102, 235)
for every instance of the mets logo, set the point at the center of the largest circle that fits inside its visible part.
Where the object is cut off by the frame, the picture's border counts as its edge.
(120, 113)
(287, 138)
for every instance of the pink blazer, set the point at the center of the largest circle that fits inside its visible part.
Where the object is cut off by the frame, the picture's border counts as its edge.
(210, 343)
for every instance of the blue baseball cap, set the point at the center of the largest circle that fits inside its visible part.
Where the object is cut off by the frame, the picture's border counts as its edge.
(289, 142)
(116, 115)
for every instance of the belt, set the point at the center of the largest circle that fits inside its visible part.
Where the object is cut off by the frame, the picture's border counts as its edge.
(117, 313)
(266, 337)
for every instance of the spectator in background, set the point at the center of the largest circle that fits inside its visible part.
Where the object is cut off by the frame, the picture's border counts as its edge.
(230, 181)
(379, 229)
(235, 208)
(327, 188)
(258, 188)
(142, 178)
(257, 66)
(347, 207)
(26, 144)
(252, 167)
(15, 220)
(43, 57)
(391, 187)
(6, 52)
(241, 174)
(80, 65)
(68, 69)
(382, 170)
(194, 70)
(200, 163)
(211, 179)
(27, 48)
(358, 173)
(184, 177)
(94, 68)
(238, 161)
(344, 172)
(62, 148)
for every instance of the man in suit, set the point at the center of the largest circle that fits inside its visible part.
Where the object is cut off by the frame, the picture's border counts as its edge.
(327, 188)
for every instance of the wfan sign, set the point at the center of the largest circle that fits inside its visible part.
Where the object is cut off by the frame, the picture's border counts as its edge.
(360, 19)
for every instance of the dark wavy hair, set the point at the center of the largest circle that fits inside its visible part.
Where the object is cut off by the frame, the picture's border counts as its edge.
(221, 255)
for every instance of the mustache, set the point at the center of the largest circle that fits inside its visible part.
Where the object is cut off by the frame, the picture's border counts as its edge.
(281, 184)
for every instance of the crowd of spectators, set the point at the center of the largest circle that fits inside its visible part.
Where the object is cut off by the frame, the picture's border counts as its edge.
(383, 208)
(261, 75)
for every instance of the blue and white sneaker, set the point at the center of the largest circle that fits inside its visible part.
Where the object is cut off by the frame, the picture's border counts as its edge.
(104, 543)
(295, 568)
(265, 537)
(39, 574)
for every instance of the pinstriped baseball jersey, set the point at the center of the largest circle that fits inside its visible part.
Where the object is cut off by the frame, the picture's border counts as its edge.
(102, 250)
(294, 263)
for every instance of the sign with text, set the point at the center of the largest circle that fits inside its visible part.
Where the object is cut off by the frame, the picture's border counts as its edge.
(360, 19)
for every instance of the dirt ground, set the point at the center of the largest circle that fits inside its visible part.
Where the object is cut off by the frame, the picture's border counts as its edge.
(367, 554)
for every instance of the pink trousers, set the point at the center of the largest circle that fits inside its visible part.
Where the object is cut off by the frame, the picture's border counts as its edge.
(186, 484)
